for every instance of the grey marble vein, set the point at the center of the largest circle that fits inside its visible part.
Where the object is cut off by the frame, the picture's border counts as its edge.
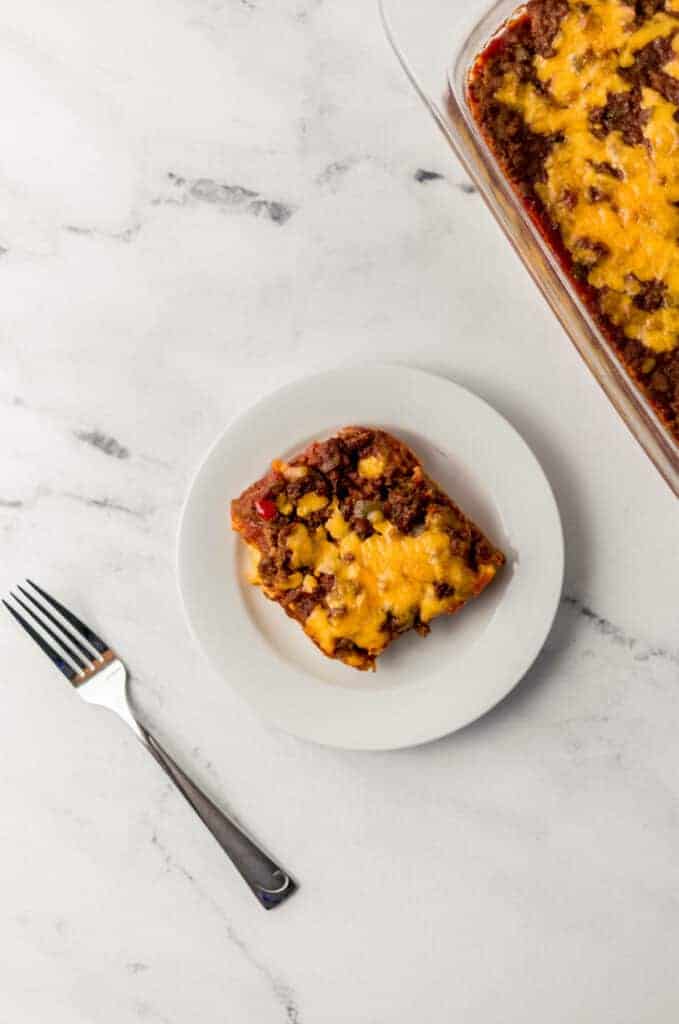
(605, 628)
(145, 1011)
(28, 501)
(303, 13)
(15, 401)
(205, 763)
(225, 196)
(104, 443)
(125, 235)
(171, 864)
(280, 989)
(334, 170)
(109, 504)
(423, 175)
(113, 505)
(136, 967)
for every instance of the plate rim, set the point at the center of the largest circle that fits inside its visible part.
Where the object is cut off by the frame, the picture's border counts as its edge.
(306, 380)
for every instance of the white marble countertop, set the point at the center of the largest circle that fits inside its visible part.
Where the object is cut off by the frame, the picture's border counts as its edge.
(199, 200)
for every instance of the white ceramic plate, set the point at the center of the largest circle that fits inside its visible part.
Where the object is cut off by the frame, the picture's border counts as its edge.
(422, 689)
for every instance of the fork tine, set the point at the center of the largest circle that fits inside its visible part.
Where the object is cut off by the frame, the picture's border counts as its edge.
(76, 641)
(54, 657)
(73, 655)
(91, 637)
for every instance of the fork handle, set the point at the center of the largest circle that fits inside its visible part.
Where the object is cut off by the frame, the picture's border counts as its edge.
(270, 884)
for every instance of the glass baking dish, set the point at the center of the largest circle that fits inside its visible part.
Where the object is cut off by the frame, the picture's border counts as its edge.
(436, 42)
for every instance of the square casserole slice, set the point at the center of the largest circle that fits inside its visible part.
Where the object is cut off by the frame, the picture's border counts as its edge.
(357, 544)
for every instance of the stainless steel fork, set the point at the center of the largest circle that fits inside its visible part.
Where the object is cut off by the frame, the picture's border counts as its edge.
(100, 677)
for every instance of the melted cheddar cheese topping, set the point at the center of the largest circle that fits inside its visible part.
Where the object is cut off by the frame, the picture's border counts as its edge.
(389, 575)
(631, 228)
(310, 503)
(371, 467)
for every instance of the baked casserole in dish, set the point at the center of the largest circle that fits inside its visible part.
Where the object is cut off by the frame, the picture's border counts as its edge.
(564, 113)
